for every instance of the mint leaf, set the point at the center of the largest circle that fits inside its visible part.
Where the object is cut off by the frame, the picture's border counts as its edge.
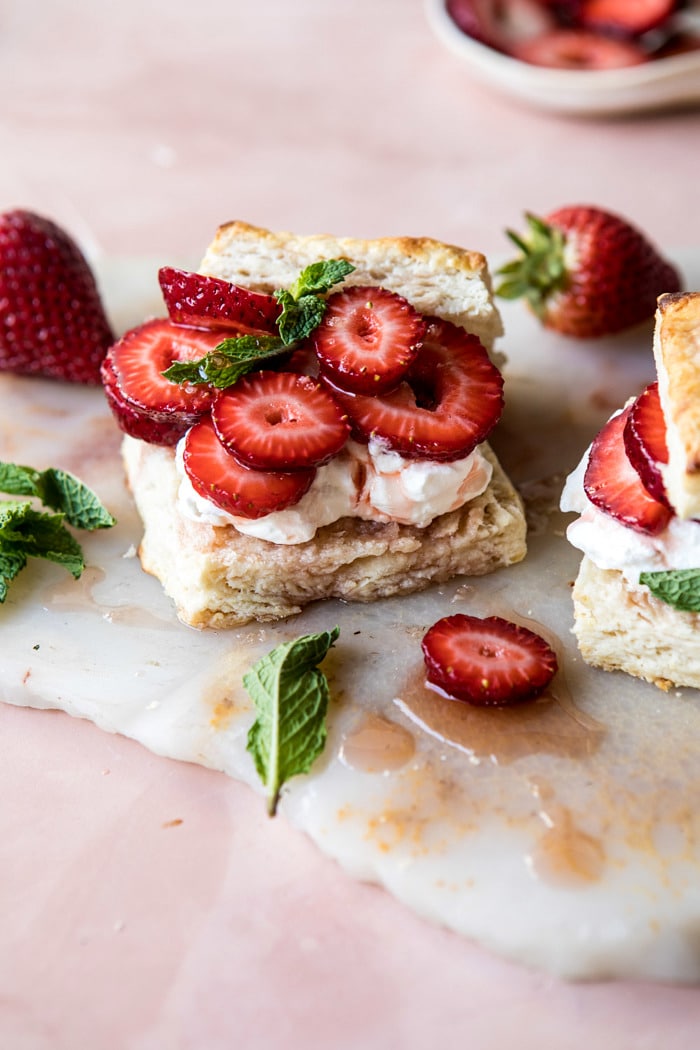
(319, 277)
(302, 311)
(11, 563)
(679, 588)
(299, 317)
(26, 532)
(227, 362)
(290, 694)
(59, 490)
(302, 305)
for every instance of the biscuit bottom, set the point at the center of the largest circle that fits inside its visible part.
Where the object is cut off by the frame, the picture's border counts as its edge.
(620, 627)
(219, 578)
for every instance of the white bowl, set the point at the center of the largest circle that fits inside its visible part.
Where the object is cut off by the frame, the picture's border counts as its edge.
(657, 84)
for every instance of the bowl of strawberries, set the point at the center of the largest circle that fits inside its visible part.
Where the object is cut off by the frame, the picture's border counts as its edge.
(589, 57)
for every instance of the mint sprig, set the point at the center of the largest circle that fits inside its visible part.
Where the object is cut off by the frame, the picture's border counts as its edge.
(303, 307)
(679, 588)
(230, 360)
(27, 532)
(59, 490)
(291, 695)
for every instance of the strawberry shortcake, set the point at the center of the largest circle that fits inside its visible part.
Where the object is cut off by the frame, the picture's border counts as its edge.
(637, 496)
(311, 420)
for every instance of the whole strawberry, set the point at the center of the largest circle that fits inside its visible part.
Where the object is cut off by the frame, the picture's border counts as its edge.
(586, 272)
(52, 322)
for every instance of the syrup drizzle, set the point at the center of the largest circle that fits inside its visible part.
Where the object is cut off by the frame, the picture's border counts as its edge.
(377, 745)
(71, 595)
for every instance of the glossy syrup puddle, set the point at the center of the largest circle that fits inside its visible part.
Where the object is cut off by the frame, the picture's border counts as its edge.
(70, 595)
(562, 851)
(564, 854)
(377, 745)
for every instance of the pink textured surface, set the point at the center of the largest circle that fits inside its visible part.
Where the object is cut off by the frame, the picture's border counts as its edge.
(140, 127)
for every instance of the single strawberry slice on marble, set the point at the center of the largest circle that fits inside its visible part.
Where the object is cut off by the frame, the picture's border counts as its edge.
(243, 491)
(141, 356)
(449, 403)
(209, 302)
(488, 661)
(280, 421)
(614, 486)
(368, 339)
(645, 442)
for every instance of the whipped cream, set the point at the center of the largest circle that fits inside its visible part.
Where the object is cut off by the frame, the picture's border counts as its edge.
(362, 481)
(612, 545)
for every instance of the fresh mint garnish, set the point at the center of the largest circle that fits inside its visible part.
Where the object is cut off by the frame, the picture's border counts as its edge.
(230, 360)
(303, 307)
(299, 317)
(679, 588)
(290, 694)
(319, 277)
(59, 490)
(26, 532)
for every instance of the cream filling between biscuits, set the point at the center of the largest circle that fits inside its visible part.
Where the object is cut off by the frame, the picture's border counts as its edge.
(363, 481)
(612, 545)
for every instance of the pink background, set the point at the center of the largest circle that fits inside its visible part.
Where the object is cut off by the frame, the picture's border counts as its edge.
(141, 126)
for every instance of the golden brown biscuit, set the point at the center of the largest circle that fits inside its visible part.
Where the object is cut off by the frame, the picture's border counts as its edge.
(677, 354)
(219, 577)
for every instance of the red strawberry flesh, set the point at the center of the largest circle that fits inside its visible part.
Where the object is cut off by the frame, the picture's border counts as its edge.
(134, 421)
(645, 441)
(144, 353)
(488, 661)
(626, 17)
(209, 302)
(452, 399)
(614, 486)
(368, 339)
(577, 49)
(280, 421)
(52, 321)
(247, 493)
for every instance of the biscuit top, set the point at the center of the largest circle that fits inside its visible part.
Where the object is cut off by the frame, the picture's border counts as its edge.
(436, 278)
(677, 355)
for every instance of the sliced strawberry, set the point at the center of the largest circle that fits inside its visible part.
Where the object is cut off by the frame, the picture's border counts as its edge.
(626, 17)
(280, 421)
(645, 441)
(242, 491)
(209, 302)
(449, 403)
(578, 49)
(487, 661)
(143, 354)
(614, 486)
(368, 339)
(499, 24)
(133, 421)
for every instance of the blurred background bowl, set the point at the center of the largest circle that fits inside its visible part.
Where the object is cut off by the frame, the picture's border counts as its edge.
(669, 82)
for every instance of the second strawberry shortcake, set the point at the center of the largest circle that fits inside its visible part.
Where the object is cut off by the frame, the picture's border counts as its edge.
(637, 496)
(310, 421)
